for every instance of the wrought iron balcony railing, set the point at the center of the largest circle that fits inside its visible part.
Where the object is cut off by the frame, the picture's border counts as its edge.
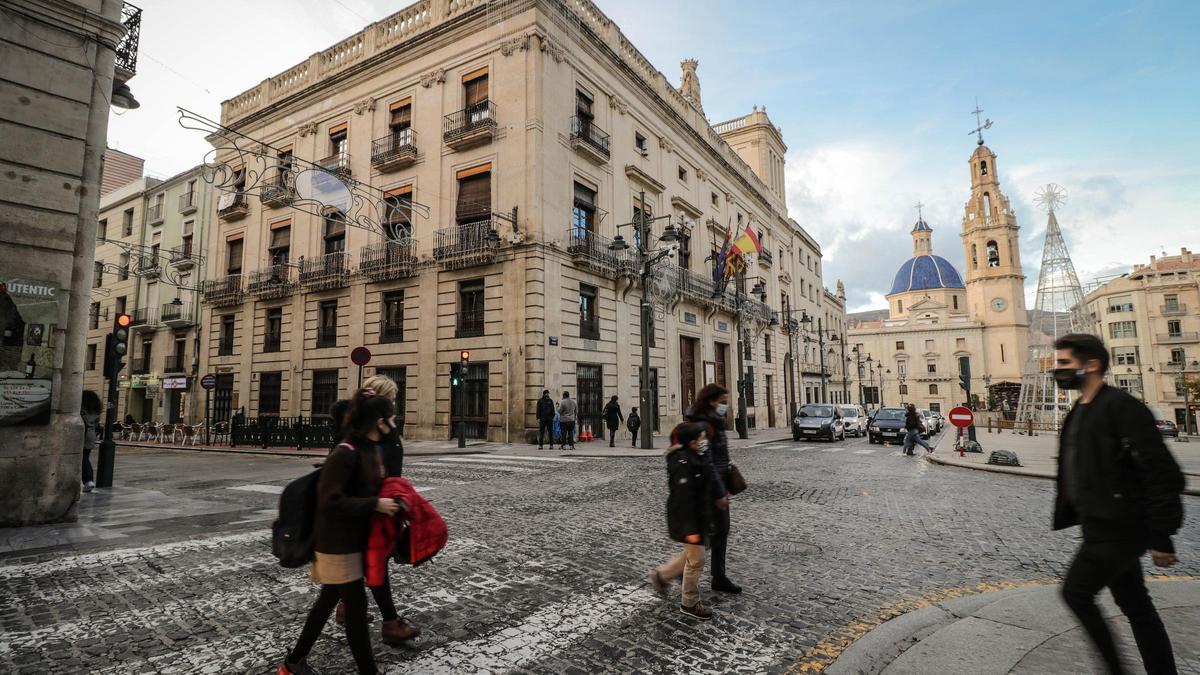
(222, 291)
(272, 282)
(394, 151)
(175, 363)
(127, 48)
(696, 287)
(278, 191)
(176, 315)
(331, 270)
(338, 164)
(143, 317)
(187, 202)
(1174, 310)
(586, 136)
(469, 324)
(139, 366)
(1181, 336)
(766, 258)
(470, 126)
(149, 269)
(232, 206)
(388, 260)
(468, 244)
(181, 256)
(592, 250)
(225, 345)
(391, 332)
(154, 214)
(327, 336)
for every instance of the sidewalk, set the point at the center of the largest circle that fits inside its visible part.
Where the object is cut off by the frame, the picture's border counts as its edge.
(1039, 454)
(1024, 630)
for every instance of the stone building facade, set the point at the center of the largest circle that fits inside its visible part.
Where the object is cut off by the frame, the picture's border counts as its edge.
(1150, 320)
(58, 68)
(528, 135)
(935, 317)
(149, 262)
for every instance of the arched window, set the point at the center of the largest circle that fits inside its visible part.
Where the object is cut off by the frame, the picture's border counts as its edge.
(987, 204)
(993, 254)
(933, 390)
(899, 306)
(983, 168)
(974, 257)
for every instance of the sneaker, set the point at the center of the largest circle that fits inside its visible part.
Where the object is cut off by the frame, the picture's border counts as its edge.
(726, 586)
(89, 486)
(698, 611)
(398, 631)
(659, 584)
(300, 668)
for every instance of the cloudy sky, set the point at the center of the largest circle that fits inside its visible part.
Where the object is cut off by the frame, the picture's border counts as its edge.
(874, 99)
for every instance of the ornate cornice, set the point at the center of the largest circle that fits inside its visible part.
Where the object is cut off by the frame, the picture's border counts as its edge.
(644, 178)
(365, 105)
(517, 44)
(436, 76)
(617, 103)
(306, 129)
(552, 48)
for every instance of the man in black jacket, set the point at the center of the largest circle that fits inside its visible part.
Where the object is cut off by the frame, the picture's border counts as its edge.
(1120, 484)
(545, 417)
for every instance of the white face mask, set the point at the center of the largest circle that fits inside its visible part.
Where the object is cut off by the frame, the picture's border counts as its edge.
(702, 446)
(722, 408)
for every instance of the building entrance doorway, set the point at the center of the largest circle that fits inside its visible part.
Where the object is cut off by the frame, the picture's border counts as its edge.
(475, 398)
(687, 372)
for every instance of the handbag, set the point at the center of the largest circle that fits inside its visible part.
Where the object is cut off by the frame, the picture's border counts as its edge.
(737, 483)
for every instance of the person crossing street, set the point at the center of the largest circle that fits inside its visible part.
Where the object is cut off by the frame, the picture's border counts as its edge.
(612, 420)
(913, 426)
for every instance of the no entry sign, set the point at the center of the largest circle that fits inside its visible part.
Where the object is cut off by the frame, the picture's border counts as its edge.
(360, 356)
(961, 417)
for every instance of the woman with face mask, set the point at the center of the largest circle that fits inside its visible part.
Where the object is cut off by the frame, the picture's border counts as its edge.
(347, 496)
(712, 403)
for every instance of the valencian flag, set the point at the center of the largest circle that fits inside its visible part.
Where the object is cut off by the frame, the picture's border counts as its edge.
(722, 261)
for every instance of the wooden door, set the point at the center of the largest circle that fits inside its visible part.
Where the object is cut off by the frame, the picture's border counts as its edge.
(687, 371)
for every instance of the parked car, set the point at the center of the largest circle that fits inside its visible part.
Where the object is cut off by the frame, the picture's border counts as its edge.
(888, 424)
(818, 420)
(854, 420)
(1168, 428)
(931, 425)
(941, 421)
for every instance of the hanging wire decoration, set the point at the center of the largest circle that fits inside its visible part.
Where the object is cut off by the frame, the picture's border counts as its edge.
(148, 262)
(240, 166)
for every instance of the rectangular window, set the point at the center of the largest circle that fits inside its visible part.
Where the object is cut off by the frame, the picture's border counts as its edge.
(400, 121)
(185, 247)
(270, 387)
(120, 305)
(475, 88)
(902, 367)
(1122, 329)
(1170, 300)
(1124, 356)
(225, 337)
(233, 257)
(399, 375)
(1120, 304)
(474, 195)
(583, 105)
(273, 336)
(641, 211)
(931, 366)
(102, 230)
(127, 222)
(716, 201)
(397, 223)
(123, 267)
(339, 144)
(899, 345)
(1130, 383)
(767, 348)
(470, 308)
(327, 320)
(683, 175)
(589, 323)
(335, 232)
(685, 249)
(94, 316)
(324, 392)
(91, 356)
(583, 212)
(1174, 328)
(280, 247)
(1178, 356)
(391, 313)
(955, 300)
(904, 390)
(639, 144)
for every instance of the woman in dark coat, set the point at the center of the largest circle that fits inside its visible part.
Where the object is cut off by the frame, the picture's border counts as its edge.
(612, 419)
(712, 402)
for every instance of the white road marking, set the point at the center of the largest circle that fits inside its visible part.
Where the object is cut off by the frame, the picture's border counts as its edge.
(265, 489)
(864, 451)
(124, 556)
(549, 630)
(804, 447)
(457, 463)
(832, 449)
(525, 458)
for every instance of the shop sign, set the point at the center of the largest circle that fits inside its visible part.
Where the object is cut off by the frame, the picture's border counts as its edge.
(29, 311)
(174, 383)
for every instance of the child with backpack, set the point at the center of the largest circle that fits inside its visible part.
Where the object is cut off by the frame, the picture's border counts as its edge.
(696, 491)
(633, 423)
(347, 495)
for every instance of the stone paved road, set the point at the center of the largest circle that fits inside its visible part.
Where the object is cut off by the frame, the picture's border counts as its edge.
(545, 572)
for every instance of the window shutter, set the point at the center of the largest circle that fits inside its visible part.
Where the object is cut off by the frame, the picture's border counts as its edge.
(402, 114)
(476, 90)
(584, 195)
(335, 224)
(474, 196)
(281, 237)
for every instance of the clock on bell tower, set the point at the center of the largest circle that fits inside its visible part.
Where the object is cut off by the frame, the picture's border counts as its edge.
(991, 244)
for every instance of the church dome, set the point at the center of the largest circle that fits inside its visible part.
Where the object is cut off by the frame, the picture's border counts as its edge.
(922, 272)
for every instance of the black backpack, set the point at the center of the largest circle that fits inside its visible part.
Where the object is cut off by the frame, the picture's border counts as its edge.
(292, 532)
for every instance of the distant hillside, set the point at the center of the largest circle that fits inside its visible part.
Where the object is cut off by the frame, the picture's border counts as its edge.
(870, 315)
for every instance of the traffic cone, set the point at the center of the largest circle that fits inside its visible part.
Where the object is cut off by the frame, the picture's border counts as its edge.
(587, 432)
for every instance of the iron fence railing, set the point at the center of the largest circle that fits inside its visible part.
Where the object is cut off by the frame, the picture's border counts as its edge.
(331, 270)
(585, 130)
(176, 313)
(399, 145)
(327, 336)
(175, 363)
(154, 213)
(127, 48)
(225, 290)
(278, 190)
(225, 345)
(181, 254)
(272, 282)
(1174, 310)
(1181, 336)
(388, 260)
(474, 243)
(337, 164)
(391, 332)
(235, 207)
(470, 323)
(187, 202)
(465, 122)
(269, 431)
(143, 316)
(594, 250)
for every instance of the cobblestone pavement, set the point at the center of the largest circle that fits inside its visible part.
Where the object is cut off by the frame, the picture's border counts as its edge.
(546, 567)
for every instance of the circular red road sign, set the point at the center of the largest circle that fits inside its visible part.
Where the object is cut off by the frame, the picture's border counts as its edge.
(360, 356)
(961, 416)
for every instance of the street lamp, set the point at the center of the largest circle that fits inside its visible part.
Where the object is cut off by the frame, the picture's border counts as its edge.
(858, 363)
(670, 235)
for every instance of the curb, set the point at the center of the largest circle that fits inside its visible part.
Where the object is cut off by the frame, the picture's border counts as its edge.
(1019, 471)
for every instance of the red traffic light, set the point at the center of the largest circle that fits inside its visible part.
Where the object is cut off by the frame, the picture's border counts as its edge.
(464, 355)
(123, 320)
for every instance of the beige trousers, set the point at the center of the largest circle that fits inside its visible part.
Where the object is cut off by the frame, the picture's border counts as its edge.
(689, 564)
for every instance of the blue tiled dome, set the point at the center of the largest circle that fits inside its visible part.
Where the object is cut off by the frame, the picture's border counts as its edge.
(926, 271)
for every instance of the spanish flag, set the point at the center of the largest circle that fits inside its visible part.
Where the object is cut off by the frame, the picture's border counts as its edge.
(748, 242)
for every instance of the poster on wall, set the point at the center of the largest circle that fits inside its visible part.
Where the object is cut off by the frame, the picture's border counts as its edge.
(28, 317)
(710, 372)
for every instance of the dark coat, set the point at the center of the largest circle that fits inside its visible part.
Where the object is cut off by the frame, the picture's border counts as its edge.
(545, 409)
(912, 420)
(1127, 484)
(391, 448)
(634, 422)
(694, 489)
(347, 491)
(613, 416)
(718, 442)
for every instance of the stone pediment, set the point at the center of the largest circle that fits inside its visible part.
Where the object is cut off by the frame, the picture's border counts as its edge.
(926, 304)
(686, 206)
(634, 173)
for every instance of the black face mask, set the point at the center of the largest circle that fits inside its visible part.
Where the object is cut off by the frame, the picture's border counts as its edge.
(1069, 378)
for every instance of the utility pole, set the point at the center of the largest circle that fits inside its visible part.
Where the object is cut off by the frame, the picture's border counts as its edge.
(845, 381)
(739, 299)
(821, 356)
(791, 358)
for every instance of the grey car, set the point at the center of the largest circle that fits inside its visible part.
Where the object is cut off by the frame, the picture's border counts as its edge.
(818, 420)
(854, 420)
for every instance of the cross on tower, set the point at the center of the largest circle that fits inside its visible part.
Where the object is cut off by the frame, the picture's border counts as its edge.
(919, 216)
(985, 124)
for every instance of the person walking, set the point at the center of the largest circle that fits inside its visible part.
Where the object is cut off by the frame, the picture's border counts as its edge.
(696, 493)
(567, 410)
(1120, 484)
(712, 402)
(90, 409)
(394, 630)
(913, 426)
(347, 496)
(612, 420)
(633, 423)
(545, 418)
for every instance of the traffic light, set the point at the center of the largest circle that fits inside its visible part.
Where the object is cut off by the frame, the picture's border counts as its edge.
(964, 373)
(116, 345)
(455, 375)
(464, 356)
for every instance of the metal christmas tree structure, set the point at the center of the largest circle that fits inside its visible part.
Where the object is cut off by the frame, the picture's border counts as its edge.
(1059, 310)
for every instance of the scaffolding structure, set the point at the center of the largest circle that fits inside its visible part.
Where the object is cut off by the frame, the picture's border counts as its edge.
(1059, 310)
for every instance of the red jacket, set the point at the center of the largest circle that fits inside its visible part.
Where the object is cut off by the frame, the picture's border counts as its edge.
(425, 535)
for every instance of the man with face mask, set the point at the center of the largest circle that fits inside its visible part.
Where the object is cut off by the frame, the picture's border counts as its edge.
(1120, 484)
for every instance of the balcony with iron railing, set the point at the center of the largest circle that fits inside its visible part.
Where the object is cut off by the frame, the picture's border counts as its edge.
(139, 366)
(222, 291)
(327, 336)
(272, 282)
(331, 270)
(181, 257)
(225, 345)
(154, 214)
(1174, 310)
(765, 258)
(469, 323)
(395, 151)
(149, 268)
(388, 260)
(696, 287)
(187, 203)
(127, 48)
(278, 192)
(589, 140)
(592, 251)
(176, 315)
(391, 331)
(232, 206)
(1180, 336)
(467, 244)
(143, 318)
(1171, 367)
(175, 363)
(337, 164)
(471, 126)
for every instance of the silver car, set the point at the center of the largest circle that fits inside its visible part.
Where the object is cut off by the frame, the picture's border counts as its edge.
(854, 420)
(931, 425)
(818, 420)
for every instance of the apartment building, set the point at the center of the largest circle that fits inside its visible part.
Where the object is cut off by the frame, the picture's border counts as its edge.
(1150, 320)
(149, 262)
(516, 142)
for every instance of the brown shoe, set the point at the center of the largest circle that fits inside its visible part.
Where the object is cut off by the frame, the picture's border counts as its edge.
(398, 631)
(659, 584)
(698, 611)
(339, 614)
